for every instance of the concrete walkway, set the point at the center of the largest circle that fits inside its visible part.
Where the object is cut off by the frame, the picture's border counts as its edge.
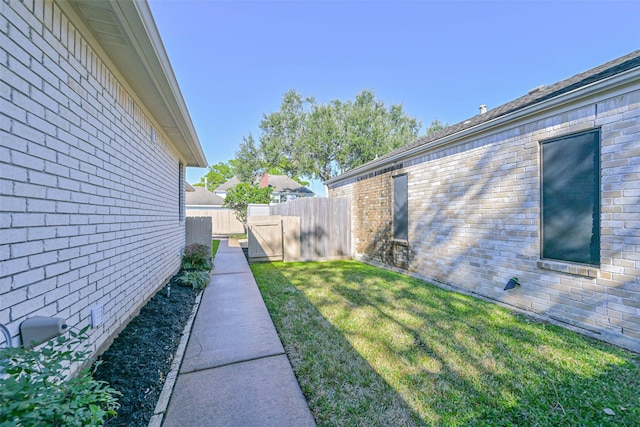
(234, 371)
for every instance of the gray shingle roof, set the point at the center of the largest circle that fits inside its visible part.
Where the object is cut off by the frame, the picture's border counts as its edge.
(227, 185)
(279, 183)
(284, 184)
(201, 196)
(535, 96)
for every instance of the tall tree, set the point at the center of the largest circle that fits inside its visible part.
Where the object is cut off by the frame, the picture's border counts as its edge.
(217, 175)
(239, 197)
(314, 140)
(248, 162)
(281, 133)
(341, 136)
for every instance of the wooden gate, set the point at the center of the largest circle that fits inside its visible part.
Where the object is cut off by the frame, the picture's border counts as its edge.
(265, 240)
(274, 238)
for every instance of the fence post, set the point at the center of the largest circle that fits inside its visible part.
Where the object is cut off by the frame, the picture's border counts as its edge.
(198, 230)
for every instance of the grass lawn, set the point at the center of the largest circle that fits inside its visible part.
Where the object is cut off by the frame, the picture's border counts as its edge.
(372, 347)
(214, 247)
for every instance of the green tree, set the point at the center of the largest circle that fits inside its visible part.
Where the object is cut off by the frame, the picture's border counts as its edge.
(343, 135)
(248, 162)
(217, 175)
(281, 135)
(239, 197)
(436, 126)
(321, 141)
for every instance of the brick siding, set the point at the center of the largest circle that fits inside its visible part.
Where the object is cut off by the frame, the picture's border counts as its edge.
(88, 184)
(474, 220)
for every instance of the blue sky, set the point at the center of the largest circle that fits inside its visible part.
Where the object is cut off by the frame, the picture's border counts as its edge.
(235, 59)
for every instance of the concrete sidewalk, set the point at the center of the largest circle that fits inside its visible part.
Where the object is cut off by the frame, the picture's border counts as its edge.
(234, 371)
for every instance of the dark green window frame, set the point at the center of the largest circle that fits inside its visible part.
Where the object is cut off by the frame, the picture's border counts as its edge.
(401, 207)
(570, 198)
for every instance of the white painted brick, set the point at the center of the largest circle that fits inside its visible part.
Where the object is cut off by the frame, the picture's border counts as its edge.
(13, 235)
(25, 73)
(56, 219)
(29, 190)
(41, 288)
(56, 269)
(36, 205)
(42, 259)
(12, 266)
(13, 297)
(27, 277)
(12, 204)
(54, 168)
(23, 249)
(12, 110)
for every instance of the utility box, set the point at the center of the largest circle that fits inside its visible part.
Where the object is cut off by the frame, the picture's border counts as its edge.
(38, 329)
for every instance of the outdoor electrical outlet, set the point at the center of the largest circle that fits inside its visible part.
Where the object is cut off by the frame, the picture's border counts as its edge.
(96, 315)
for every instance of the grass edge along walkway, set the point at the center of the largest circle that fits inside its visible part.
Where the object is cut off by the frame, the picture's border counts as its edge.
(374, 347)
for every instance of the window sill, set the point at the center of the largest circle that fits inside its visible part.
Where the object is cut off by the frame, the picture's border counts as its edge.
(569, 268)
(400, 242)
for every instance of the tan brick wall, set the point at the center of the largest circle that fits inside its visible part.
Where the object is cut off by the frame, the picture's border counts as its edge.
(474, 219)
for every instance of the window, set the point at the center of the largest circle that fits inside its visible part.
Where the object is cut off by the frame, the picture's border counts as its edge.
(400, 208)
(571, 198)
(181, 190)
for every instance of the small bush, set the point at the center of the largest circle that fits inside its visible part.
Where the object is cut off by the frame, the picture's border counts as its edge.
(35, 390)
(196, 257)
(196, 279)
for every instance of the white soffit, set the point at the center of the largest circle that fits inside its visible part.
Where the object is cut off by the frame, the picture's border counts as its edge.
(127, 33)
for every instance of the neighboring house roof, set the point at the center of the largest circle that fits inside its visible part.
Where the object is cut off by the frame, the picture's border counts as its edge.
(227, 185)
(188, 187)
(128, 34)
(535, 96)
(201, 196)
(279, 183)
(284, 184)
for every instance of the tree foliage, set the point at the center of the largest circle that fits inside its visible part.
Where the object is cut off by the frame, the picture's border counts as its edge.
(239, 197)
(305, 138)
(249, 163)
(217, 175)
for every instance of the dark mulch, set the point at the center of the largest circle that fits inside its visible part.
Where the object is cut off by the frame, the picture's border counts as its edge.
(138, 361)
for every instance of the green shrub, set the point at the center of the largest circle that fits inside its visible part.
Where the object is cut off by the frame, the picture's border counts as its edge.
(196, 257)
(194, 278)
(35, 389)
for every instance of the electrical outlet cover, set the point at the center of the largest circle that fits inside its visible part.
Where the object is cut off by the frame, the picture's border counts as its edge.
(96, 316)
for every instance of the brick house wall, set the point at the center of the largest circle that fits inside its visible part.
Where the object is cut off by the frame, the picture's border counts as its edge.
(474, 218)
(90, 185)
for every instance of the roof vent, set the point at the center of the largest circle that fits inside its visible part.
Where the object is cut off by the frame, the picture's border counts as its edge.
(483, 109)
(536, 89)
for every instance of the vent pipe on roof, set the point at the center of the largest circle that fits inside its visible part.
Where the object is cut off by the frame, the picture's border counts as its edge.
(483, 109)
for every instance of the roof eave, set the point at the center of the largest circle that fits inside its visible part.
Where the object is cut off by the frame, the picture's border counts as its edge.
(145, 65)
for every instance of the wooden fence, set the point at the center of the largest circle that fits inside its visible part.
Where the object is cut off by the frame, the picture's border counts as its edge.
(198, 230)
(325, 226)
(223, 221)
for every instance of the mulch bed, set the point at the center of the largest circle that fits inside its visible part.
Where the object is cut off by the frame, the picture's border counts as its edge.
(138, 361)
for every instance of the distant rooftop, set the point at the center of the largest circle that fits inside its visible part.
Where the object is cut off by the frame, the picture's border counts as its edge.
(201, 196)
(279, 183)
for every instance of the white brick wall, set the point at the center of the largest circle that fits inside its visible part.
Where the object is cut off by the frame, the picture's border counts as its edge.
(88, 203)
(474, 209)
